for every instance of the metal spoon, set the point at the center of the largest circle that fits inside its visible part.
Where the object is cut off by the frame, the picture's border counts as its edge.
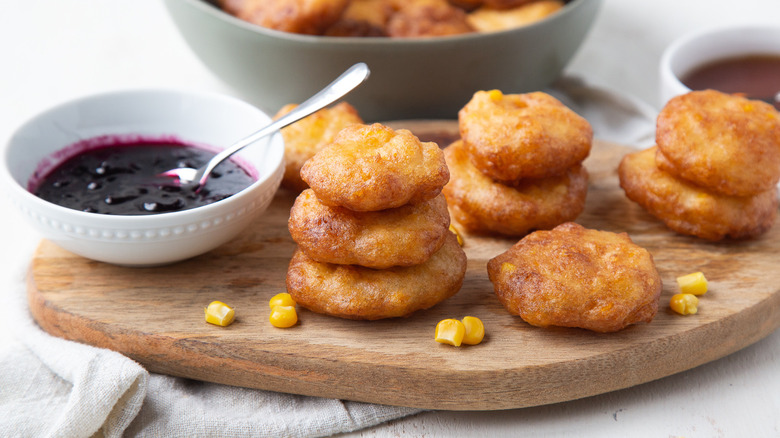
(351, 78)
(775, 101)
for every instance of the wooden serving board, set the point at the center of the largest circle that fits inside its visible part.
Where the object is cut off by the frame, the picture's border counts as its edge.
(155, 316)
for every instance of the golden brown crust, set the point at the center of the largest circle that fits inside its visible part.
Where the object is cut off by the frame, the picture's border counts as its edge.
(373, 167)
(364, 18)
(480, 204)
(690, 209)
(726, 143)
(575, 277)
(403, 236)
(309, 135)
(495, 20)
(401, 19)
(356, 292)
(514, 136)
(427, 18)
(311, 17)
(494, 4)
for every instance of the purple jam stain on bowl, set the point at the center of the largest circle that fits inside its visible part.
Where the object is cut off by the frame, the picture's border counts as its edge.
(120, 176)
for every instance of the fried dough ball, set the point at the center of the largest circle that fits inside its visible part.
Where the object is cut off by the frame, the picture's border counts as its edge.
(514, 136)
(373, 167)
(494, 20)
(311, 17)
(309, 135)
(576, 277)
(427, 18)
(482, 205)
(401, 19)
(493, 4)
(364, 18)
(402, 236)
(726, 143)
(356, 292)
(690, 209)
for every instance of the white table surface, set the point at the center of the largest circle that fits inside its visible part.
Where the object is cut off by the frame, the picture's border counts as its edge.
(56, 50)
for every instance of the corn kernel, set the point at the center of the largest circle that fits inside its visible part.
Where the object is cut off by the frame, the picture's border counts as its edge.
(495, 94)
(282, 299)
(450, 331)
(475, 330)
(694, 284)
(457, 234)
(219, 313)
(283, 316)
(684, 304)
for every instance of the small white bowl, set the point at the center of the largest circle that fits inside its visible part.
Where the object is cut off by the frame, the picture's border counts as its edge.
(144, 240)
(702, 47)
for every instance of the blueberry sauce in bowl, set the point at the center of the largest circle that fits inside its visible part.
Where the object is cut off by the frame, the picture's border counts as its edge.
(110, 206)
(122, 178)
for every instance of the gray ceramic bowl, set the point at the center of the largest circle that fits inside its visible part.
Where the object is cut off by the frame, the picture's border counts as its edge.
(410, 78)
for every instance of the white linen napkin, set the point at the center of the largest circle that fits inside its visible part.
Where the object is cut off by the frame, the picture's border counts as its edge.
(51, 387)
(615, 117)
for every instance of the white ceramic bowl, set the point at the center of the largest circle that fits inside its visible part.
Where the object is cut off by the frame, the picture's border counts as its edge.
(702, 47)
(144, 240)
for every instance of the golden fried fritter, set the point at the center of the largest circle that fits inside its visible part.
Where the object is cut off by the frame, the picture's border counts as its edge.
(575, 277)
(482, 205)
(401, 19)
(402, 236)
(356, 292)
(309, 135)
(493, 4)
(364, 18)
(726, 143)
(298, 16)
(373, 167)
(514, 136)
(427, 18)
(690, 209)
(494, 20)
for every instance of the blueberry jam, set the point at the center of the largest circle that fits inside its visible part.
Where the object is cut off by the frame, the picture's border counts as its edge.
(122, 179)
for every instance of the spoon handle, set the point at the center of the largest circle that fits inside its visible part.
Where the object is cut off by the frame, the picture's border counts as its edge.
(342, 85)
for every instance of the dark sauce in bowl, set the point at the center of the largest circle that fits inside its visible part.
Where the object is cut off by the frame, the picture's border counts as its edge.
(755, 76)
(123, 179)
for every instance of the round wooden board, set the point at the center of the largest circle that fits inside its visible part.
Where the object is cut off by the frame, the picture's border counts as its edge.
(155, 316)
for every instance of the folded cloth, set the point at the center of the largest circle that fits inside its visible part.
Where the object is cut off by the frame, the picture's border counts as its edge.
(57, 388)
(51, 387)
(615, 117)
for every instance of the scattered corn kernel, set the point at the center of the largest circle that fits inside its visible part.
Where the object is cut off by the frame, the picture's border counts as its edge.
(457, 234)
(283, 316)
(219, 313)
(495, 94)
(282, 299)
(694, 284)
(684, 304)
(450, 331)
(475, 330)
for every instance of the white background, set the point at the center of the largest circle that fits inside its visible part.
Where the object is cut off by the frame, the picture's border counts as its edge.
(56, 50)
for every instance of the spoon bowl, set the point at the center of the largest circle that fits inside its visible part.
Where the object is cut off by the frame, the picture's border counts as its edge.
(195, 178)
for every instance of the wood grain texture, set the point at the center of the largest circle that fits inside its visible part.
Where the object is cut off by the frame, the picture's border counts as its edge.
(155, 316)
